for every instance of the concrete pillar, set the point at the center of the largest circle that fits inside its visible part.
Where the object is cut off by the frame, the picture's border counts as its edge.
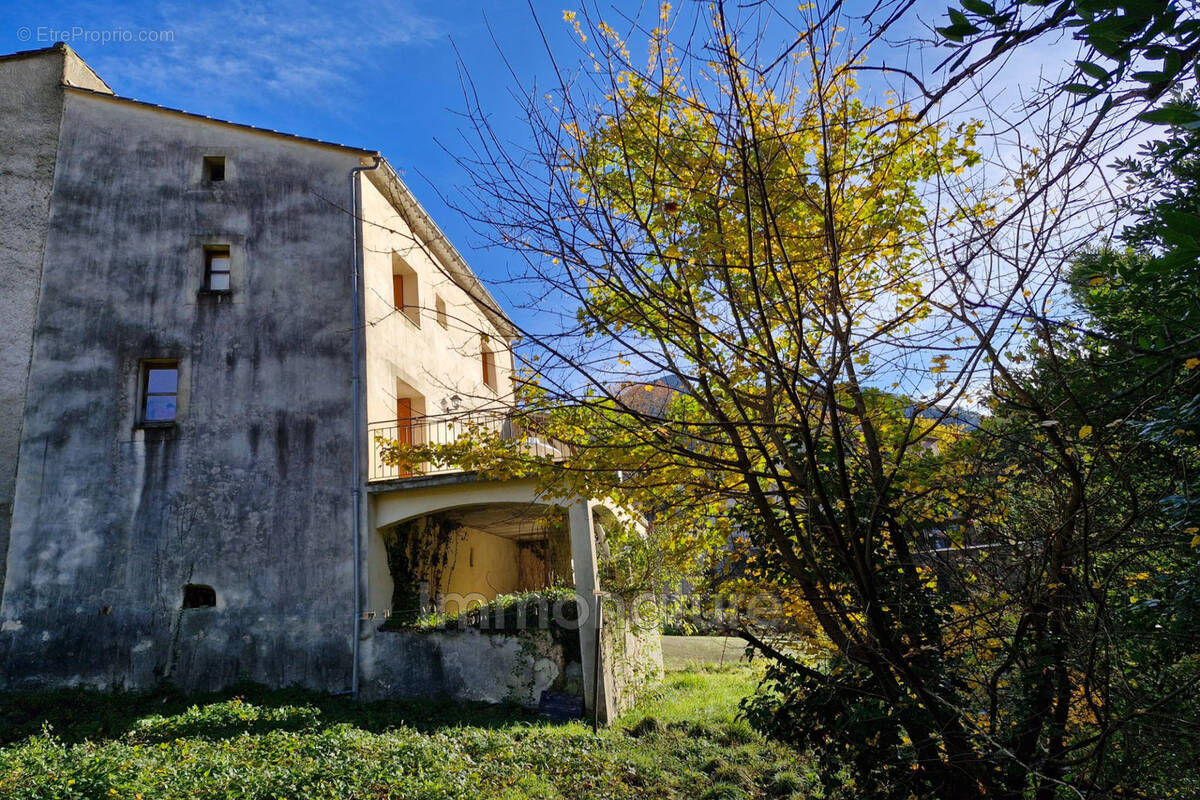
(583, 561)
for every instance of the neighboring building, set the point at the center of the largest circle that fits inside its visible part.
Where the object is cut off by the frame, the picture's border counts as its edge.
(204, 326)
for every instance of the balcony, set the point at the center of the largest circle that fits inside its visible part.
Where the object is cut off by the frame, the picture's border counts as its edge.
(446, 429)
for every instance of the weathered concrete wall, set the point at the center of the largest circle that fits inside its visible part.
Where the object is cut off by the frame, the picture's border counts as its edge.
(469, 666)
(250, 491)
(30, 110)
(495, 667)
(30, 113)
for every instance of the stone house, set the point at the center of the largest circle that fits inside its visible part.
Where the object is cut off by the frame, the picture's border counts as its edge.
(205, 328)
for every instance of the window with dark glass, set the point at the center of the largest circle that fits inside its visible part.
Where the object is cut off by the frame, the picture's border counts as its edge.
(216, 269)
(160, 394)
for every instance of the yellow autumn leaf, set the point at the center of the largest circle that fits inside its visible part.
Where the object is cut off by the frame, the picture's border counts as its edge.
(1085, 431)
(1192, 363)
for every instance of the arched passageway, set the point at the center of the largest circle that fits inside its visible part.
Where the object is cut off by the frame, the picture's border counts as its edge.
(468, 540)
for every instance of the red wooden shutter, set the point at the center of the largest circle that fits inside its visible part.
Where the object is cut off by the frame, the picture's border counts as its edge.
(404, 420)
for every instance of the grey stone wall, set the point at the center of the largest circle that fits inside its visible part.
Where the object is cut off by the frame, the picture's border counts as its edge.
(250, 492)
(469, 666)
(631, 650)
(472, 665)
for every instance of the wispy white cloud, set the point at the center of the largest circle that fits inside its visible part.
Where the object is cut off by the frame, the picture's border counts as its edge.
(300, 51)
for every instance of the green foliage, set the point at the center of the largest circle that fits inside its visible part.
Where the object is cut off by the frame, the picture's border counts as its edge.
(1142, 337)
(753, 227)
(1144, 348)
(1101, 429)
(1067, 642)
(854, 735)
(419, 554)
(1143, 47)
(217, 720)
(504, 612)
(270, 745)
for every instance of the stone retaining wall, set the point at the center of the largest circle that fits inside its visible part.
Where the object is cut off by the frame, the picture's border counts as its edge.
(469, 666)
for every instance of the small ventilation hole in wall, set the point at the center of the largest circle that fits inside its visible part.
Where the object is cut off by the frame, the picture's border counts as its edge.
(196, 595)
(214, 169)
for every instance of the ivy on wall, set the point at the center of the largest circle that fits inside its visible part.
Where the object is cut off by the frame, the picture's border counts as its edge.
(419, 553)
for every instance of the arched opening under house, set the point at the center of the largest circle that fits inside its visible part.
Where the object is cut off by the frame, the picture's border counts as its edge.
(451, 561)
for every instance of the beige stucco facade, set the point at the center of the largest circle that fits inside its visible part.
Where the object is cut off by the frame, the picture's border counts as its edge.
(430, 353)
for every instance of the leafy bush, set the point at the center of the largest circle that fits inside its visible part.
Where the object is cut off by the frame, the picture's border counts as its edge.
(255, 743)
(507, 612)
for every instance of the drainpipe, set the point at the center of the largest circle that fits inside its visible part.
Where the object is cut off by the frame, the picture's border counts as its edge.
(356, 381)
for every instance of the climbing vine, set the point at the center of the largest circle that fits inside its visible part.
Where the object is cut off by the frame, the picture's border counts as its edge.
(419, 552)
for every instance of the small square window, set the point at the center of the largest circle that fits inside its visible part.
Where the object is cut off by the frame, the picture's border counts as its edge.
(439, 306)
(160, 391)
(214, 169)
(216, 269)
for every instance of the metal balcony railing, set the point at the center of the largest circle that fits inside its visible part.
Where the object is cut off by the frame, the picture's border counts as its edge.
(447, 429)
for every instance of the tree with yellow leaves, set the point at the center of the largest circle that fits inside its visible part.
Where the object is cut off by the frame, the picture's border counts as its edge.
(782, 286)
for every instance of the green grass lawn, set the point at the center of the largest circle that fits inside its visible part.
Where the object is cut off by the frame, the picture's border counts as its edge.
(685, 652)
(683, 741)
